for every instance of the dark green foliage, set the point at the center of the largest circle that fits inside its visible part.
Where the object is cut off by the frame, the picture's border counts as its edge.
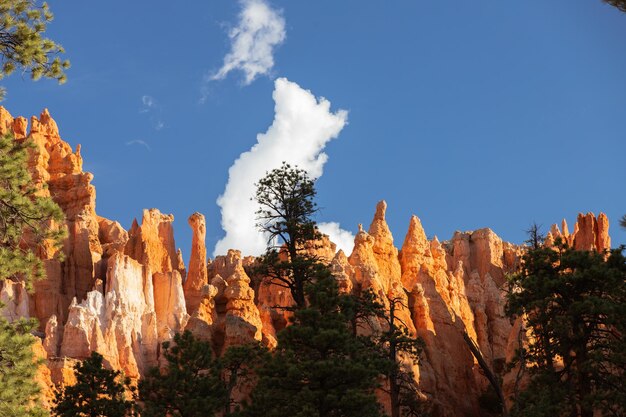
(323, 366)
(285, 196)
(490, 403)
(622, 221)
(26, 219)
(188, 386)
(26, 222)
(390, 346)
(22, 44)
(320, 367)
(236, 367)
(395, 342)
(620, 4)
(575, 305)
(493, 376)
(18, 389)
(194, 383)
(97, 392)
(363, 311)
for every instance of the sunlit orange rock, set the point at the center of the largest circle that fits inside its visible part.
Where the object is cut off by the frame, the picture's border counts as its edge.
(385, 253)
(169, 304)
(152, 244)
(122, 293)
(43, 375)
(440, 312)
(197, 276)
(241, 321)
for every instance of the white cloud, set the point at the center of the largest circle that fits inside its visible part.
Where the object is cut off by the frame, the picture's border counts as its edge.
(148, 103)
(139, 142)
(302, 127)
(259, 30)
(343, 238)
(205, 90)
(152, 108)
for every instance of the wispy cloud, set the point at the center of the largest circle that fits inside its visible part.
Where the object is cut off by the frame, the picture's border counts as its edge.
(259, 30)
(150, 106)
(302, 127)
(205, 88)
(139, 142)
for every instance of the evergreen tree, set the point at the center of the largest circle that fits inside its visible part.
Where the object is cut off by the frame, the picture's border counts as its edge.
(188, 386)
(574, 303)
(237, 370)
(285, 196)
(98, 392)
(19, 391)
(392, 344)
(27, 220)
(194, 383)
(396, 343)
(22, 44)
(620, 4)
(320, 367)
(323, 366)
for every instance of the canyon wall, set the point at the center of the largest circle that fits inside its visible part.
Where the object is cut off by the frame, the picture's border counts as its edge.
(124, 292)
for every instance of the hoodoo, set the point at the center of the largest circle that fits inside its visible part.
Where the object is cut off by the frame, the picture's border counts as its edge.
(122, 293)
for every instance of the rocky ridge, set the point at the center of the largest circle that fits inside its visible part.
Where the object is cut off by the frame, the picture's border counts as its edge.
(122, 293)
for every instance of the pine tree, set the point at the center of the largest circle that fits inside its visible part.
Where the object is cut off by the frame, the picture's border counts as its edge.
(285, 196)
(22, 44)
(320, 367)
(194, 383)
(27, 220)
(19, 391)
(574, 303)
(390, 342)
(98, 392)
(237, 370)
(188, 386)
(323, 365)
(396, 343)
(620, 4)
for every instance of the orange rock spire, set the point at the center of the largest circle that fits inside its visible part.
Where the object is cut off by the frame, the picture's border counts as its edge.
(122, 293)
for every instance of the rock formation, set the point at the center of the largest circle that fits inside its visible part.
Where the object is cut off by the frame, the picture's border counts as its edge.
(197, 276)
(122, 293)
(240, 321)
(590, 233)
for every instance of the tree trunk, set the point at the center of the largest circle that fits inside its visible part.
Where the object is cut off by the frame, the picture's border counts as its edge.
(493, 380)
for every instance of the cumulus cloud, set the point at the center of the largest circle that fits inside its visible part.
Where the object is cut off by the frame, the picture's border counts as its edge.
(259, 30)
(342, 238)
(302, 127)
(140, 143)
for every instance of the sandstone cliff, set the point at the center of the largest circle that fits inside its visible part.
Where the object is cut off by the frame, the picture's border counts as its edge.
(122, 293)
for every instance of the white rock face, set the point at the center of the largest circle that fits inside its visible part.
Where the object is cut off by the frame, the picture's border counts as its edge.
(53, 337)
(13, 300)
(169, 299)
(121, 325)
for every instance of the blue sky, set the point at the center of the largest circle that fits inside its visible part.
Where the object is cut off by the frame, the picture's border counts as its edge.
(469, 115)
